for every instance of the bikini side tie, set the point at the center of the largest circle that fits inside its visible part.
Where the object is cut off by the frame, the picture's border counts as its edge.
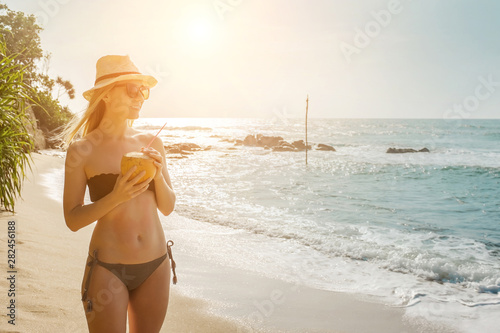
(169, 251)
(92, 264)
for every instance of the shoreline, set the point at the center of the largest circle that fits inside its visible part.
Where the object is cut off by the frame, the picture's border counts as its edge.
(262, 304)
(50, 261)
(50, 264)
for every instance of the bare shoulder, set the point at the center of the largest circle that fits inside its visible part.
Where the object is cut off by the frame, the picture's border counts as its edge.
(76, 153)
(157, 142)
(158, 145)
(74, 147)
(144, 135)
(144, 138)
(79, 145)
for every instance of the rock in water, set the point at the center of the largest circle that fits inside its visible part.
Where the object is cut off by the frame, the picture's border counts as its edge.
(284, 146)
(406, 150)
(182, 148)
(322, 146)
(300, 145)
(270, 141)
(250, 140)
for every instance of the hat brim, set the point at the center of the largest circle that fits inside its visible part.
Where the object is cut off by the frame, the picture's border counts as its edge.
(147, 80)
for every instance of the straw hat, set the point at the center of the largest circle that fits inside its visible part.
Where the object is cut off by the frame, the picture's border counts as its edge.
(115, 68)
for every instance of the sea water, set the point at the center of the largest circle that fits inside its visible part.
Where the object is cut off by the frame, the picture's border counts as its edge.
(416, 230)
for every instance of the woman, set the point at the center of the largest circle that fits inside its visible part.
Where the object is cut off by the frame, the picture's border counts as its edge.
(128, 268)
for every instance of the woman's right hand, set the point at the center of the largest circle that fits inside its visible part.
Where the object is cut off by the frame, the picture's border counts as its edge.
(125, 190)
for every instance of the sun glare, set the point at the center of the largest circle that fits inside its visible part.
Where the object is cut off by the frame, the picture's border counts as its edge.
(195, 31)
(200, 31)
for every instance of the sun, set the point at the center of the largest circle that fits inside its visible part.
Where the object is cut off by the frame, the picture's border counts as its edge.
(195, 31)
(199, 31)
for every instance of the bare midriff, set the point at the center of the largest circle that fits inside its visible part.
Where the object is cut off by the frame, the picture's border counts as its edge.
(131, 233)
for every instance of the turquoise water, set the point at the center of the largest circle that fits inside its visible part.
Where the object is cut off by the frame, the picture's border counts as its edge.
(451, 191)
(419, 231)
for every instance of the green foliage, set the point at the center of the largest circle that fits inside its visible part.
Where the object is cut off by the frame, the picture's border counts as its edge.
(50, 114)
(15, 142)
(21, 36)
(68, 87)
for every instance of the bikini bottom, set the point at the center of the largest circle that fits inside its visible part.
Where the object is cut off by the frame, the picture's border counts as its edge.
(132, 275)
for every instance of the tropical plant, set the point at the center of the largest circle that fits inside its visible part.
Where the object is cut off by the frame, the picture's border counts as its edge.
(21, 36)
(15, 142)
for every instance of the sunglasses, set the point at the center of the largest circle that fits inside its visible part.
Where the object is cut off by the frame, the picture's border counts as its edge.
(134, 90)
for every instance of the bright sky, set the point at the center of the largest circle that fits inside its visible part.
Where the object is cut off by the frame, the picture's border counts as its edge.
(260, 58)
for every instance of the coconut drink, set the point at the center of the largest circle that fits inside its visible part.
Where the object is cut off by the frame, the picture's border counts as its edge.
(142, 161)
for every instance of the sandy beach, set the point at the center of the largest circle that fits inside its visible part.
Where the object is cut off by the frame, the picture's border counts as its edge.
(49, 264)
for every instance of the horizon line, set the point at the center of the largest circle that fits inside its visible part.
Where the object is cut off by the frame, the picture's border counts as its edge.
(368, 118)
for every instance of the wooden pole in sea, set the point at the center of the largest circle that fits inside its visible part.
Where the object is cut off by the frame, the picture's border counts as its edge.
(307, 107)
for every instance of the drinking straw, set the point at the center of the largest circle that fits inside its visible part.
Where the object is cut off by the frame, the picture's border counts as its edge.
(150, 142)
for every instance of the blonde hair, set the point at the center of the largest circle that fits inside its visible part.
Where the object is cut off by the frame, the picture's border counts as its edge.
(91, 118)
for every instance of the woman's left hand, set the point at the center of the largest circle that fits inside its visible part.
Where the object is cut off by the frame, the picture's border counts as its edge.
(158, 160)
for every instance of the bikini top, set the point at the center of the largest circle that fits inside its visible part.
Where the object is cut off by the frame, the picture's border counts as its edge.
(102, 184)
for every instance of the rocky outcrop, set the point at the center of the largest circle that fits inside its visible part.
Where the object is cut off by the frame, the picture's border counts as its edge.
(269, 141)
(185, 148)
(301, 145)
(284, 146)
(250, 140)
(276, 143)
(36, 133)
(298, 145)
(182, 148)
(52, 139)
(42, 137)
(322, 146)
(260, 140)
(406, 150)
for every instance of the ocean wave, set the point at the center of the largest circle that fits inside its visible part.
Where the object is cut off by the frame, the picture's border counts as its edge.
(475, 304)
(427, 255)
(189, 128)
(151, 127)
(492, 289)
